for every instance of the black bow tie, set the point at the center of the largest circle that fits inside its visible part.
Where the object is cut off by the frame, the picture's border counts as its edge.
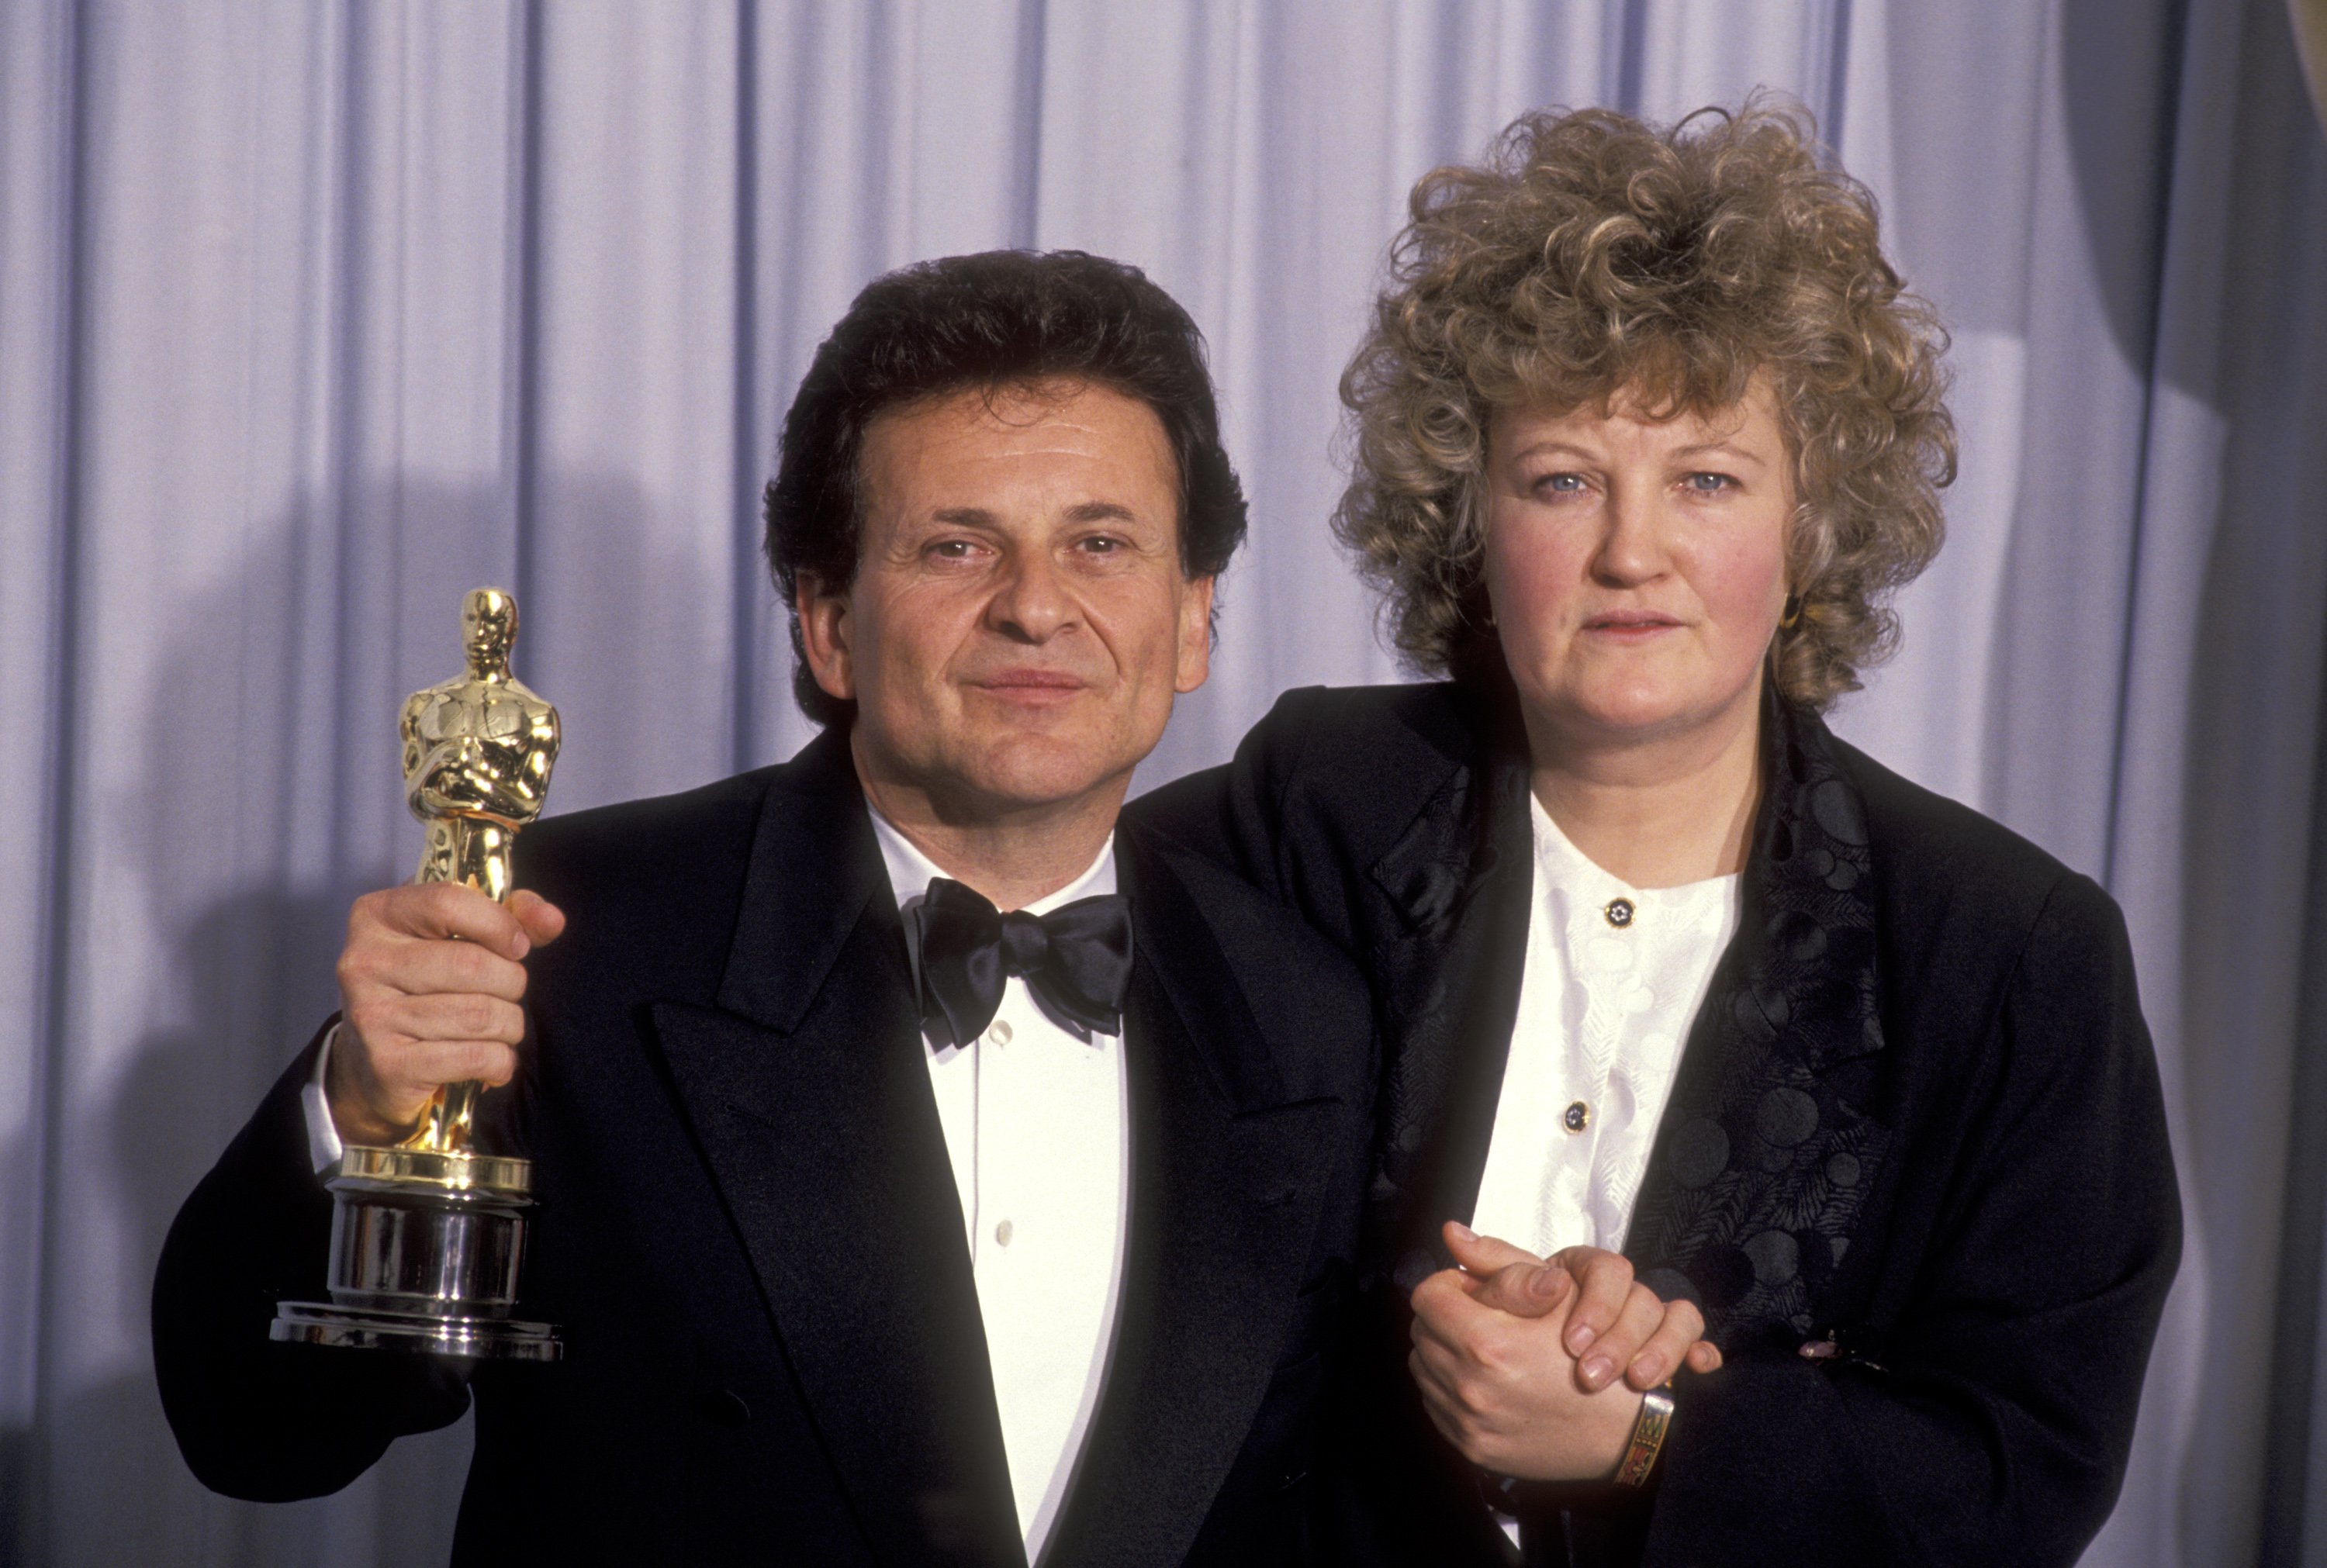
(1076, 959)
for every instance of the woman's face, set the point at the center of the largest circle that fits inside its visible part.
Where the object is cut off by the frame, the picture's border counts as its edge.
(1637, 566)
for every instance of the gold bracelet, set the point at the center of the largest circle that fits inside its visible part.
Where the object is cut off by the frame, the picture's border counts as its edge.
(1648, 1438)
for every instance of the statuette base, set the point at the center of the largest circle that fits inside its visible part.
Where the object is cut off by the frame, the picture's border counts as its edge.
(425, 1254)
(485, 1339)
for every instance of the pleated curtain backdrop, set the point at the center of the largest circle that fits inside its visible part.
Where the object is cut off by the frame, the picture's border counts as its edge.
(313, 316)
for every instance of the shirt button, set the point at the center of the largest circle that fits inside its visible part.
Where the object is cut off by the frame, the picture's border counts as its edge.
(1618, 912)
(1003, 1233)
(1000, 1033)
(1577, 1117)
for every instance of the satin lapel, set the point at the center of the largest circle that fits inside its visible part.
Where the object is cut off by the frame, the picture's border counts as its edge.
(811, 1099)
(1768, 1148)
(1462, 874)
(1225, 1188)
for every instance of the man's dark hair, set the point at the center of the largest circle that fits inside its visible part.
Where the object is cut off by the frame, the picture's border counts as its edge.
(999, 319)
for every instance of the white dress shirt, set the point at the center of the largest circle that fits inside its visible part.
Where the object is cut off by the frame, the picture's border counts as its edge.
(1038, 1125)
(1614, 977)
(323, 1146)
(1038, 1128)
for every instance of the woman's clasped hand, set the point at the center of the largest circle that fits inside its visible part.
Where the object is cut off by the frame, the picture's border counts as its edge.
(1534, 1367)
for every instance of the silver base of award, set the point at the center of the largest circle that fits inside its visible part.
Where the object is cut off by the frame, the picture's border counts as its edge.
(425, 1254)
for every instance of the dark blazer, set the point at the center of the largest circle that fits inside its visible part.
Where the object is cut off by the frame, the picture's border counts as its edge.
(1917, 1117)
(749, 1235)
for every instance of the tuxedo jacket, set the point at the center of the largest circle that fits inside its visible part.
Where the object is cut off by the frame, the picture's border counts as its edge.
(750, 1236)
(1917, 1123)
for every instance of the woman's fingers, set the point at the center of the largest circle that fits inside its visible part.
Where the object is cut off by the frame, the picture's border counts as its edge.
(1525, 1290)
(1436, 1403)
(1616, 1328)
(1605, 1279)
(1510, 1279)
(1613, 1349)
(1681, 1329)
(1482, 1254)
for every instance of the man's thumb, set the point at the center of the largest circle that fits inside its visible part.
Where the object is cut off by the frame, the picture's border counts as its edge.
(543, 920)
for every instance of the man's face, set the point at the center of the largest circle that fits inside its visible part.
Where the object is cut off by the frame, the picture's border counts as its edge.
(1019, 622)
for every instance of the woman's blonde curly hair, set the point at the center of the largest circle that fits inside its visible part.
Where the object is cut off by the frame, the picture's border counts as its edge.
(1594, 257)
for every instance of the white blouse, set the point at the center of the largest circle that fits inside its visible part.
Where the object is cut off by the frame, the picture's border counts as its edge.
(1614, 977)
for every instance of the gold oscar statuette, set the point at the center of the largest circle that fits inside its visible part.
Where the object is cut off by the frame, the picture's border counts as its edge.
(427, 1235)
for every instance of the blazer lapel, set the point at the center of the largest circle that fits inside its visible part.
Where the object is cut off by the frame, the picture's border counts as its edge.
(1462, 876)
(1227, 1179)
(1769, 1148)
(808, 1091)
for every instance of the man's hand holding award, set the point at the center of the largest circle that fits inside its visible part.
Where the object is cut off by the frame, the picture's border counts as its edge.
(427, 1231)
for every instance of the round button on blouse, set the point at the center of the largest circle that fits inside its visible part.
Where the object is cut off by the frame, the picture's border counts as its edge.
(1003, 1232)
(1000, 1033)
(1577, 1117)
(1618, 912)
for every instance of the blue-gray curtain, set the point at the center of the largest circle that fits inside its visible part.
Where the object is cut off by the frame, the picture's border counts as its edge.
(313, 315)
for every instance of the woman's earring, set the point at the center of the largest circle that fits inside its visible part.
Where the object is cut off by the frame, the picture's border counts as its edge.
(1793, 615)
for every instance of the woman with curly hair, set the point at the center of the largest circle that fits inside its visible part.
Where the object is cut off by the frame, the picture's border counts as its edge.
(1695, 1014)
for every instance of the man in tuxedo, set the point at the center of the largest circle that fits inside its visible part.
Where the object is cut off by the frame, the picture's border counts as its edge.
(882, 1226)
